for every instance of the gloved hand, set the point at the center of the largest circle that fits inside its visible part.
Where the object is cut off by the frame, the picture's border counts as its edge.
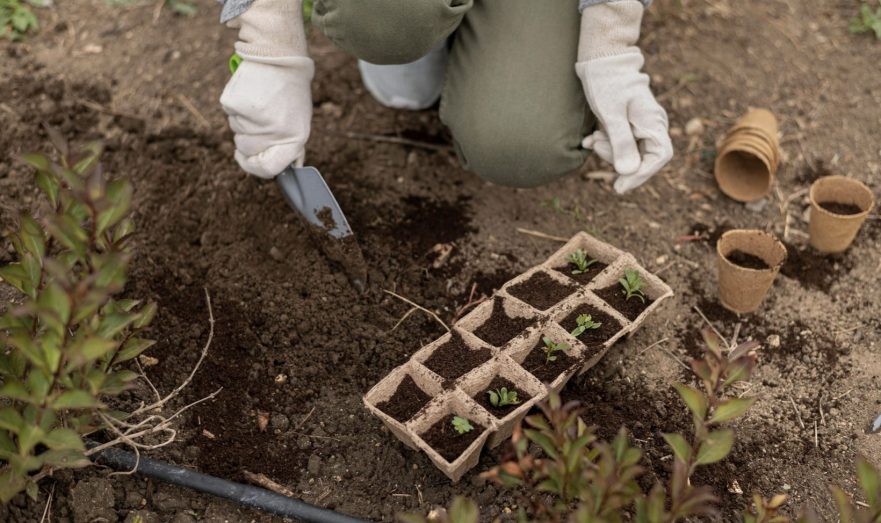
(633, 134)
(269, 98)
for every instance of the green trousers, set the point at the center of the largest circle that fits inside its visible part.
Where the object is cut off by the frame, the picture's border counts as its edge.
(511, 97)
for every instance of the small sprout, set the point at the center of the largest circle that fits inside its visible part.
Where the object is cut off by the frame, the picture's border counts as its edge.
(633, 285)
(503, 397)
(462, 425)
(581, 261)
(585, 322)
(551, 348)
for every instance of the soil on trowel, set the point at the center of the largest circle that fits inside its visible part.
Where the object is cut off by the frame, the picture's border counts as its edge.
(500, 328)
(617, 298)
(541, 291)
(747, 261)
(407, 400)
(454, 358)
(547, 371)
(443, 438)
(497, 383)
(609, 326)
(585, 277)
(843, 209)
(344, 252)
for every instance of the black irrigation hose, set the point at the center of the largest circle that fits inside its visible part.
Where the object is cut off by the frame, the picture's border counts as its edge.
(245, 494)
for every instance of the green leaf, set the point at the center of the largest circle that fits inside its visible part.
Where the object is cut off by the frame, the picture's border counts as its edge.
(114, 323)
(32, 490)
(680, 447)
(15, 391)
(68, 233)
(869, 481)
(15, 275)
(693, 398)
(26, 346)
(47, 183)
(544, 441)
(119, 194)
(75, 399)
(63, 439)
(715, 447)
(38, 383)
(135, 346)
(731, 409)
(10, 420)
(32, 238)
(54, 298)
(28, 438)
(146, 316)
(463, 510)
(91, 349)
(10, 484)
(65, 458)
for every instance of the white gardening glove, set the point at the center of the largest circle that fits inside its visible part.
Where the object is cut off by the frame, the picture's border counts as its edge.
(633, 133)
(269, 98)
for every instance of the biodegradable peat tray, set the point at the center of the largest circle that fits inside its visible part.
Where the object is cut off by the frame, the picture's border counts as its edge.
(472, 385)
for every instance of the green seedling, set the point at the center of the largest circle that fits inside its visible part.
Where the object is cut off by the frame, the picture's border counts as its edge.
(503, 397)
(633, 285)
(552, 348)
(581, 261)
(868, 21)
(16, 19)
(585, 323)
(462, 425)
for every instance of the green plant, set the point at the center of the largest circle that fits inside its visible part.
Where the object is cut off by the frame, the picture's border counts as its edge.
(868, 21)
(462, 425)
(584, 322)
(503, 397)
(581, 261)
(551, 348)
(633, 285)
(182, 7)
(16, 19)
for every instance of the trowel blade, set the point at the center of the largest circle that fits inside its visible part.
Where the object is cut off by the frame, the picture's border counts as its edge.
(306, 191)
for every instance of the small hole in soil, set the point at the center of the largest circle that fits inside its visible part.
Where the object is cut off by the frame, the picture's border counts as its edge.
(541, 291)
(407, 400)
(747, 260)
(443, 438)
(497, 383)
(500, 328)
(592, 272)
(617, 298)
(592, 337)
(454, 358)
(844, 209)
(537, 363)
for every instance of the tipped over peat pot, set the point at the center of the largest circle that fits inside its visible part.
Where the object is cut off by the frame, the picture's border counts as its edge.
(749, 261)
(749, 156)
(504, 342)
(839, 207)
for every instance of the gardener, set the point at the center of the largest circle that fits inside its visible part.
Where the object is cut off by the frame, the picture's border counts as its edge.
(503, 71)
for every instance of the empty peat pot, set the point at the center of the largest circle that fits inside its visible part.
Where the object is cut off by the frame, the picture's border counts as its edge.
(748, 158)
(839, 207)
(749, 260)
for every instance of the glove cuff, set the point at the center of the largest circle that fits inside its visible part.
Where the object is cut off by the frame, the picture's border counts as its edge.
(610, 29)
(271, 29)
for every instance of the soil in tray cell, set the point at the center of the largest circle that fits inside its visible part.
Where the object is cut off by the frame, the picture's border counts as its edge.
(454, 358)
(585, 277)
(500, 328)
(609, 326)
(547, 371)
(497, 383)
(843, 209)
(407, 400)
(748, 261)
(443, 438)
(617, 298)
(541, 291)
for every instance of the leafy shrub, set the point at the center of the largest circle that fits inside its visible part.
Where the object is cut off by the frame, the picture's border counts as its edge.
(868, 21)
(16, 19)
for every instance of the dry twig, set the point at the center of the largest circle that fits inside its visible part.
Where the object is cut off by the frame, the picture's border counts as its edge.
(262, 480)
(543, 236)
(420, 307)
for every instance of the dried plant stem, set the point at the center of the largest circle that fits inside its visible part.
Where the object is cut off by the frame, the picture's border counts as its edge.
(797, 413)
(709, 323)
(420, 307)
(543, 236)
(262, 480)
(653, 345)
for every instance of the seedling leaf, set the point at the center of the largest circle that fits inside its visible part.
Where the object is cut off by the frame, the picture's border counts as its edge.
(581, 261)
(584, 322)
(716, 446)
(633, 285)
(462, 425)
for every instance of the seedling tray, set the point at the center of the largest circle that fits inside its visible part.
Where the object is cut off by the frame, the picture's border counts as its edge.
(506, 348)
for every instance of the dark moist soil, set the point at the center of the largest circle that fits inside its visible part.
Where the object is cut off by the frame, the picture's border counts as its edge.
(407, 400)
(546, 371)
(497, 383)
(748, 261)
(586, 277)
(815, 270)
(630, 309)
(843, 209)
(447, 442)
(454, 358)
(500, 328)
(592, 337)
(541, 291)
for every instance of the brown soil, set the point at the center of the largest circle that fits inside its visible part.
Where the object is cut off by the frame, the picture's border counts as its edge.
(843, 209)
(617, 298)
(500, 328)
(585, 277)
(541, 291)
(295, 340)
(447, 442)
(747, 261)
(497, 383)
(454, 358)
(407, 400)
(537, 363)
(815, 270)
(591, 337)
